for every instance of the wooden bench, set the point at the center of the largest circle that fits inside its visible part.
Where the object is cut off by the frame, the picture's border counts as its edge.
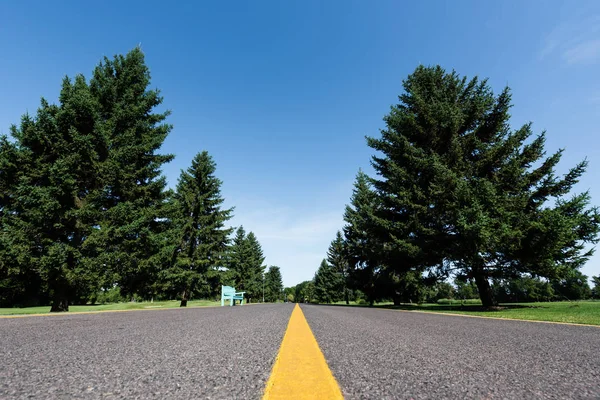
(229, 293)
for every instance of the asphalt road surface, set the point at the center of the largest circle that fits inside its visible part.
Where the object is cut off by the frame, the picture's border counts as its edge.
(196, 353)
(214, 353)
(386, 354)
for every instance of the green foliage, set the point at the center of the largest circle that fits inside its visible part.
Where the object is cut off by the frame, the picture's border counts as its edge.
(109, 296)
(451, 301)
(523, 289)
(337, 258)
(273, 284)
(84, 207)
(596, 290)
(363, 249)
(304, 292)
(198, 224)
(132, 197)
(457, 188)
(245, 264)
(573, 286)
(465, 289)
(440, 290)
(49, 203)
(288, 292)
(328, 284)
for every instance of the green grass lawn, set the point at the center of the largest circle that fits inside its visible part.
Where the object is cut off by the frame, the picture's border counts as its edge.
(111, 307)
(577, 312)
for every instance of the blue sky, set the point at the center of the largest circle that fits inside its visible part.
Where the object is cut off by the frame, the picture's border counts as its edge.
(282, 93)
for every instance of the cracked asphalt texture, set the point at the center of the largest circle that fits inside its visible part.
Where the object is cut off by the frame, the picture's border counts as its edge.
(196, 353)
(387, 354)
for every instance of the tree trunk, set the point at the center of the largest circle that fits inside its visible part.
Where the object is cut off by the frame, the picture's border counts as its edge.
(346, 297)
(184, 299)
(485, 290)
(60, 303)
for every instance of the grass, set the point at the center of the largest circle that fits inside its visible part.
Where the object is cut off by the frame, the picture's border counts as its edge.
(576, 312)
(111, 307)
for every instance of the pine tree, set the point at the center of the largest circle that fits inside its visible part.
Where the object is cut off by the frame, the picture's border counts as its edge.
(363, 249)
(48, 202)
(256, 269)
(20, 283)
(273, 284)
(337, 258)
(200, 233)
(327, 284)
(245, 264)
(128, 240)
(458, 189)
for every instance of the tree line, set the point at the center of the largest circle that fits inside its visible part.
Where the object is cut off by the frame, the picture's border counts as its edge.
(458, 193)
(86, 216)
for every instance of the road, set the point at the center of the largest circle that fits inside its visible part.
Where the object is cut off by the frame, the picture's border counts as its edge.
(214, 353)
(196, 353)
(386, 354)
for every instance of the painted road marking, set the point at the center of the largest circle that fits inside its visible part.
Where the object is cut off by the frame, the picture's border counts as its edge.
(300, 370)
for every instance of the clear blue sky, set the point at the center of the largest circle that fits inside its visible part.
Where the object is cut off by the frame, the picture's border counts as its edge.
(282, 93)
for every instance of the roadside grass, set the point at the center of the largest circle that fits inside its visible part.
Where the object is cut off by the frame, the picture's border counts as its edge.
(575, 312)
(111, 307)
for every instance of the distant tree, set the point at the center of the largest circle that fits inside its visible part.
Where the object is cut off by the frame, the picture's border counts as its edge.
(257, 269)
(457, 188)
(596, 290)
(246, 267)
(465, 289)
(273, 284)
(337, 258)
(574, 286)
(288, 292)
(523, 289)
(362, 247)
(442, 290)
(304, 292)
(327, 284)
(199, 224)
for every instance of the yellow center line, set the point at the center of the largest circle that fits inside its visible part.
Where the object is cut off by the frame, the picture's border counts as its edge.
(300, 370)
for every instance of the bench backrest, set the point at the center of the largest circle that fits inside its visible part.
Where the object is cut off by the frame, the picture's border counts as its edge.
(227, 290)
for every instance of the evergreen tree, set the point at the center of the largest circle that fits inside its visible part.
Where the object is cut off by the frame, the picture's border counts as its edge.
(273, 284)
(363, 249)
(199, 221)
(457, 188)
(128, 241)
(245, 264)
(256, 269)
(337, 258)
(327, 284)
(596, 290)
(47, 202)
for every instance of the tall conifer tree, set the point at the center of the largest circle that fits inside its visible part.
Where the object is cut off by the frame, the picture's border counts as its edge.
(200, 229)
(460, 189)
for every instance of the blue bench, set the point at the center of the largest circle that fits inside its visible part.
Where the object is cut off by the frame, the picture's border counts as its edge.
(229, 293)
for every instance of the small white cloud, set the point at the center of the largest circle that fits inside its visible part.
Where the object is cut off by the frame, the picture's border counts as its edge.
(583, 53)
(293, 239)
(576, 41)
